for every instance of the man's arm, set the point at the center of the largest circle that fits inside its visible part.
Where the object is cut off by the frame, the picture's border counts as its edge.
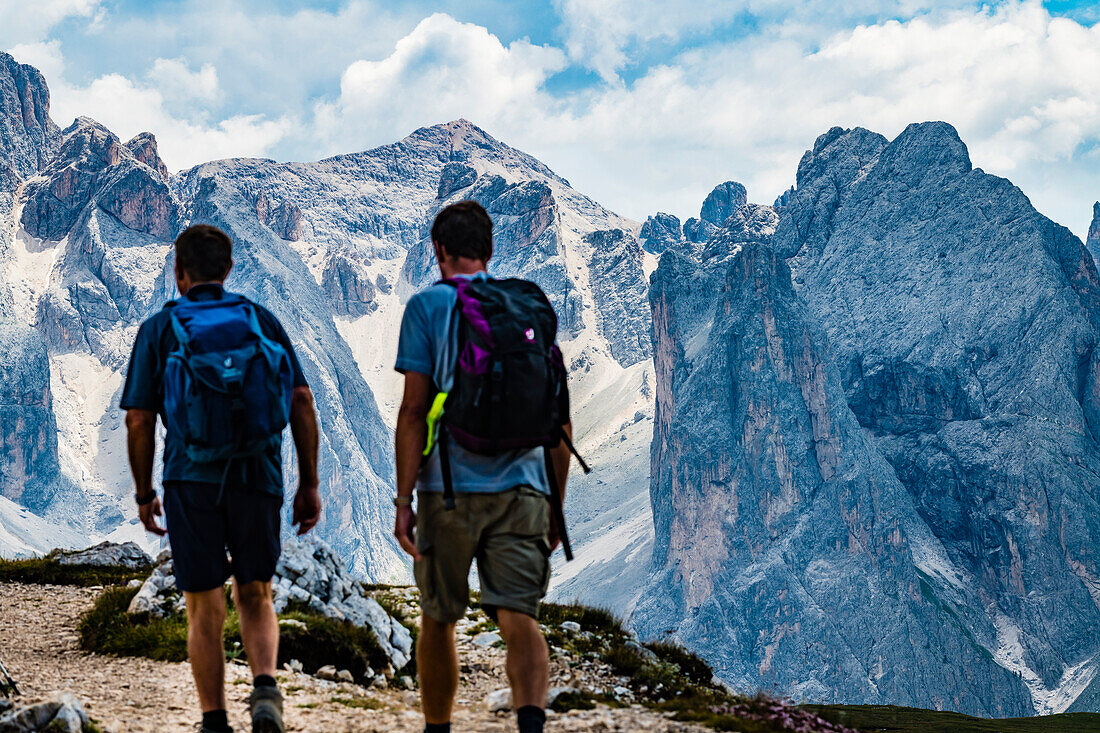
(141, 444)
(303, 427)
(411, 437)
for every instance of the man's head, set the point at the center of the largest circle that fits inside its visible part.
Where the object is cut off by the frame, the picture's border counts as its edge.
(204, 254)
(462, 235)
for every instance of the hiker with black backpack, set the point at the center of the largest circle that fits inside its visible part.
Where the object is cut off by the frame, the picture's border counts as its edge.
(222, 374)
(483, 436)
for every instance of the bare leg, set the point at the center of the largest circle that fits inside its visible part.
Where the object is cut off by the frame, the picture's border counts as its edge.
(437, 665)
(205, 625)
(259, 625)
(528, 662)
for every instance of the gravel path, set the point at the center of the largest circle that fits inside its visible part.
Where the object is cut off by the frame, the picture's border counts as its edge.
(38, 643)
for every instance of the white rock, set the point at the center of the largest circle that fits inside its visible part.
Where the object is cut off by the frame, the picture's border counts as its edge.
(328, 672)
(499, 700)
(292, 623)
(345, 675)
(556, 692)
(570, 626)
(486, 639)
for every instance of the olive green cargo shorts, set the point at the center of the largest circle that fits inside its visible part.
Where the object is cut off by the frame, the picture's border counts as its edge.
(505, 531)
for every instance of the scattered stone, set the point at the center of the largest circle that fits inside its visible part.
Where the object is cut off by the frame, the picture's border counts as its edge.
(345, 675)
(292, 623)
(378, 682)
(403, 683)
(159, 597)
(620, 691)
(134, 583)
(486, 639)
(570, 626)
(328, 672)
(643, 652)
(64, 714)
(499, 700)
(556, 692)
(309, 572)
(293, 666)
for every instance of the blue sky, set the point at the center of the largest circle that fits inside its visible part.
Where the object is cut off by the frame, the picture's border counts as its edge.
(643, 105)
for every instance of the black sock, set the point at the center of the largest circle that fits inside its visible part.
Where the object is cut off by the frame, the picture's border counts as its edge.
(264, 680)
(216, 720)
(437, 728)
(530, 719)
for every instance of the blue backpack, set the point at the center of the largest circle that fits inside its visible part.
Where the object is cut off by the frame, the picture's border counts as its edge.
(227, 386)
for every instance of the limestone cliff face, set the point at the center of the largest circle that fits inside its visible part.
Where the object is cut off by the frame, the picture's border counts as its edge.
(118, 218)
(964, 325)
(783, 532)
(29, 472)
(961, 329)
(28, 137)
(1093, 240)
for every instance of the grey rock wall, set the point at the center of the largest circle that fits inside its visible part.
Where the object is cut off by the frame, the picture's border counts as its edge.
(29, 472)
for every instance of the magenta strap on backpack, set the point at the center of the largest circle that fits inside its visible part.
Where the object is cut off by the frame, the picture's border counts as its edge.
(474, 357)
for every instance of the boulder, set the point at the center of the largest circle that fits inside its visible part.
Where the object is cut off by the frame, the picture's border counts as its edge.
(63, 714)
(106, 554)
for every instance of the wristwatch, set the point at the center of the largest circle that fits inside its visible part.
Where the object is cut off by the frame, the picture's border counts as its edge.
(146, 499)
(400, 501)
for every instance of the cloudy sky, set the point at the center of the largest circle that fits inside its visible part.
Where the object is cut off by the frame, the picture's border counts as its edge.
(643, 105)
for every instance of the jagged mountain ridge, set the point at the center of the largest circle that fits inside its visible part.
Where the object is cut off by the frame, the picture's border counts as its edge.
(324, 245)
(961, 324)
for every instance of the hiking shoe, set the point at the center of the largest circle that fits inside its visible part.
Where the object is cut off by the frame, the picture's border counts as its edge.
(266, 707)
(204, 729)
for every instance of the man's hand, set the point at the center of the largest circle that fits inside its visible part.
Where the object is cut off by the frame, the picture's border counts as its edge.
(404, 527)
(307, 508)
(148, 514)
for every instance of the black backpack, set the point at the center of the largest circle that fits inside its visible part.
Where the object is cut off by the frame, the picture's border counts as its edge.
(510, 390)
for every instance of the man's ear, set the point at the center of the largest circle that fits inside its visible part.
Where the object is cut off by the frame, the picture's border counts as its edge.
(227, 271)
(440, 253)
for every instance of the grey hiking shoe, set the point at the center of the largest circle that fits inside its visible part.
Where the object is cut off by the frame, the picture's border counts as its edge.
(266, 706)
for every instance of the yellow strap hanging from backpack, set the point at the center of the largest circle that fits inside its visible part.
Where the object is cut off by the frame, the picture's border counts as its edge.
(434, 415)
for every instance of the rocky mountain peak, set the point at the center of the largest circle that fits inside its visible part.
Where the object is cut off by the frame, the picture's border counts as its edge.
(93, 164)
(722, 201)
(28, 136)
(659, 232)
(931, 150)
(144, 148)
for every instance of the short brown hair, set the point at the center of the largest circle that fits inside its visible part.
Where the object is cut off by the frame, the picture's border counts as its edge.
(204, 252)
(464, 229)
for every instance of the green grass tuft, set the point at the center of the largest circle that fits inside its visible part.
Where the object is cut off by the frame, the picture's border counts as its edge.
(107, 629)
(48, 571)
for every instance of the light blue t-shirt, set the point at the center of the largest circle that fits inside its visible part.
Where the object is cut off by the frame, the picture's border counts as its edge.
(428, 345)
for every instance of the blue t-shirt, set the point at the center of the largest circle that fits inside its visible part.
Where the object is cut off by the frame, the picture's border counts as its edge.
(428, 345)
(144, 391)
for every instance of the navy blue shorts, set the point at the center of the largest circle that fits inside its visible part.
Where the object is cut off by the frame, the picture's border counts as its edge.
(201, 531)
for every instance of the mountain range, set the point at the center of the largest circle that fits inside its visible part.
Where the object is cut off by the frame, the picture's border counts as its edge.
(846, 444)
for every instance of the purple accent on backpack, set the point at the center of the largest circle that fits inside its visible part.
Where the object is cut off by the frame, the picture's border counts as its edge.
(474, 359)
(471, 310)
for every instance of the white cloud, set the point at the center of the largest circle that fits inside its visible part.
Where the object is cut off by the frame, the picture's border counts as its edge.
(175, 79)
(27, 22)
(442, 70)
(1023, 89)
(127, 108)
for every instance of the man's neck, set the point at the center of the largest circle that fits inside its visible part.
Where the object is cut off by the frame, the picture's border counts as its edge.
(461, 266)
(186, 287)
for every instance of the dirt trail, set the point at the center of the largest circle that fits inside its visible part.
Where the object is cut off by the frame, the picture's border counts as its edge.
(38, 642)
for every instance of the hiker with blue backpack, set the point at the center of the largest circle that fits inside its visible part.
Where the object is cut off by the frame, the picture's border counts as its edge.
(221, 373)
(483, 437)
